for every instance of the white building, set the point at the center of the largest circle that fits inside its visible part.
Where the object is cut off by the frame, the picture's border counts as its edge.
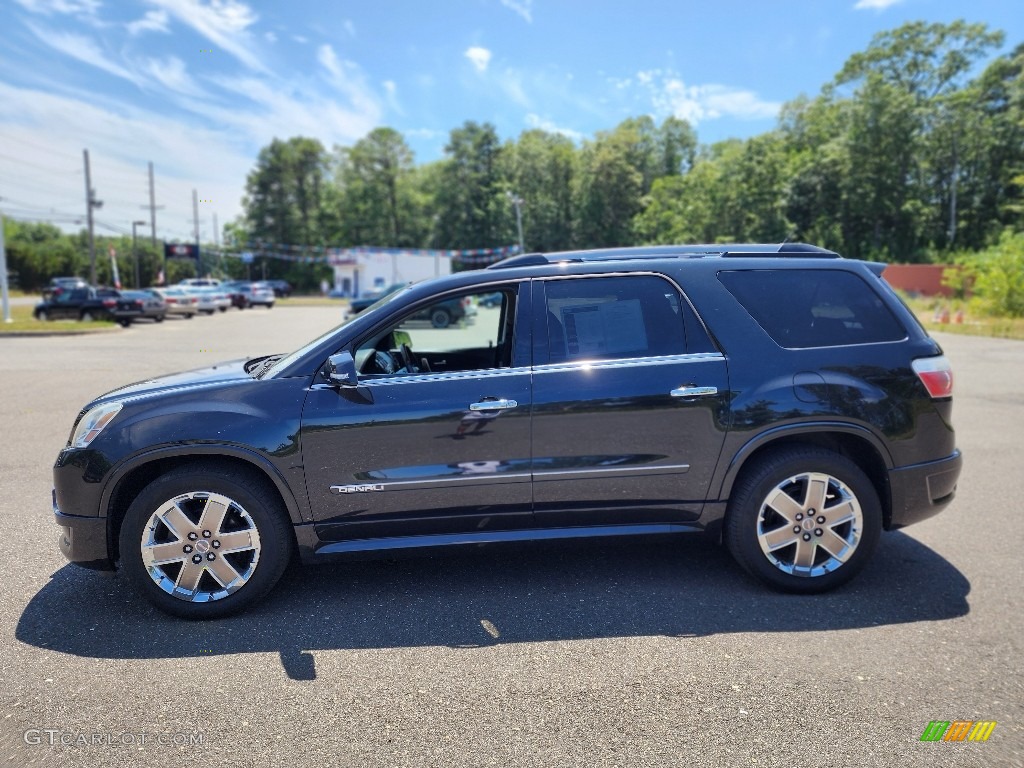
(361, 271)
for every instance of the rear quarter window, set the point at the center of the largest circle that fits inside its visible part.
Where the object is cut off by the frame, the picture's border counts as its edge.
(802, 308)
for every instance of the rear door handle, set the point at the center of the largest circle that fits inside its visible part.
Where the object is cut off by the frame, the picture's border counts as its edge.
(691, 391)
(493, 405)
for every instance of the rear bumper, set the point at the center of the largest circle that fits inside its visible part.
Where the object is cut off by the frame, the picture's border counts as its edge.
(922, 490)
(83, 540)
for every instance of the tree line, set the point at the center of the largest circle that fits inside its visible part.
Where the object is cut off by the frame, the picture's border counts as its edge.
(913, 152)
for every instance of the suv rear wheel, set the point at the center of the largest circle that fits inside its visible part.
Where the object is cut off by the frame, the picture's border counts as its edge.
(202, 543)
(803, 519)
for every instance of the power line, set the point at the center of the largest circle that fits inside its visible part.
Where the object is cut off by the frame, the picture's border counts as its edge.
(51, 150)
(33, 207)
(36, 166)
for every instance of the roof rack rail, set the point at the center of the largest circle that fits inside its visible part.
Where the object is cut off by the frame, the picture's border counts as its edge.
(698, 250)
(531, 260)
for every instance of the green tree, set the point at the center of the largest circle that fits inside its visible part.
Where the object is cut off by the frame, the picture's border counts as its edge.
(284, 193)
(378, 204)
(540, 169)
(472, 209)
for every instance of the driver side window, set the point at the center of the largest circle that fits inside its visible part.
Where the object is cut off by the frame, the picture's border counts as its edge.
(463, 332)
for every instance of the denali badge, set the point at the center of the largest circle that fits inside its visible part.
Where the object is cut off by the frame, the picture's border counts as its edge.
(356, 488)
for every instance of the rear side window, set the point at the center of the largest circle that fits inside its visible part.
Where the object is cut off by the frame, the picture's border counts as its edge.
(802, 308)
(608, 318)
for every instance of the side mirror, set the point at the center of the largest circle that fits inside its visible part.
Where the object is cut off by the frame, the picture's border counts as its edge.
(341, 370)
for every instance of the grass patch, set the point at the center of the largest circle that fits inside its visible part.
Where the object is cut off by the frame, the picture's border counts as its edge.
(24, 324)
(964, 318)
(311, 301)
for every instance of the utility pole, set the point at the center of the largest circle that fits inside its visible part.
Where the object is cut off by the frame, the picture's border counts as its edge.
(195, 222)
(135, 250)
(90, 203)
(216, 232)
(4, 298)
(152, 208)
(517, 201)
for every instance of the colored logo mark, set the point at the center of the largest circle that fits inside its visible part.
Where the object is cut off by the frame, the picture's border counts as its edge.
(958, 730)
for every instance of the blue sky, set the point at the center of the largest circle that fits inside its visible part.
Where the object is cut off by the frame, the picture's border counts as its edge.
(199, 86)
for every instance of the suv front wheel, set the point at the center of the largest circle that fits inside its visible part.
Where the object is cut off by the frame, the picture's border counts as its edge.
(803, 519)
(201, 543)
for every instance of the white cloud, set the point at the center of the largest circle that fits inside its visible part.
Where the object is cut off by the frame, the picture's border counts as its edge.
(349, 27)
(511, 82)
(670, 95)
(875, 5)
(270, 37)
(153, 21)
(83, 49)
(171, 74)
(478, 57)
(121, 139)
(391, 94)
(223, 22)
(536, 121)
(522, 7)
(300, 39)
(71, 7)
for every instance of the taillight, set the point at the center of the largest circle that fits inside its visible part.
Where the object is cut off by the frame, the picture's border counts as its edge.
(936, 374)
(109, 303)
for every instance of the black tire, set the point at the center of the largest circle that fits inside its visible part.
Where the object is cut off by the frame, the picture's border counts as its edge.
(125, 322)
(223, 309)
(246, 502)
(826, 551)
(159, 318)
(440, 318)
(189, 315)
(270, 305)
(207, 311)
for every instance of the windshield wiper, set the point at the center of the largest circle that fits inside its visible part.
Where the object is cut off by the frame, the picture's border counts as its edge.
(260, 365)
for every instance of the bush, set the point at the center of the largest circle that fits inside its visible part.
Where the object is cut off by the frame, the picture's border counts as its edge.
(997, 275)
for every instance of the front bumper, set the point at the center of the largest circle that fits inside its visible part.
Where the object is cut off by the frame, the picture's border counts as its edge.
(83, 540)
(922, 490)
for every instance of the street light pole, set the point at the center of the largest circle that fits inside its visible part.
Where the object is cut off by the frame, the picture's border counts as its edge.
(4, 298)
(135, 250)
(517, 201)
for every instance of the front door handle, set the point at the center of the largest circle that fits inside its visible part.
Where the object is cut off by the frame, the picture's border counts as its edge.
(692, 391)
(493, 405)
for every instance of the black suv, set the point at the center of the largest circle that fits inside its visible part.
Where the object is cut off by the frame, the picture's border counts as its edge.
(779, 399)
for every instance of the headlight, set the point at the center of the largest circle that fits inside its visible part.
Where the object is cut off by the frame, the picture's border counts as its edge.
(93, 423)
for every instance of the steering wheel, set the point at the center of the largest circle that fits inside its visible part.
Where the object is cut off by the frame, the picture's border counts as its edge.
(408, 359)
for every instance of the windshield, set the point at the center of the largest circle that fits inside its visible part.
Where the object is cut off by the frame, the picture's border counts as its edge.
(282, 363)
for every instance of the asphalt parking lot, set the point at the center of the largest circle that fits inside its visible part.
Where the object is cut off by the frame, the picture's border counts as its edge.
(600, 654)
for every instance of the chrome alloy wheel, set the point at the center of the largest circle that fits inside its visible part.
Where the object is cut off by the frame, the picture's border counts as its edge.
(200, 547)
(809, 524)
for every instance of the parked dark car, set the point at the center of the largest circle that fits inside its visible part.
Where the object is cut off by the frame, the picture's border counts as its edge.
(140, 305)
(78, 304)
(237, 291)
(441, 315)
(282, 288)
(778, 399)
